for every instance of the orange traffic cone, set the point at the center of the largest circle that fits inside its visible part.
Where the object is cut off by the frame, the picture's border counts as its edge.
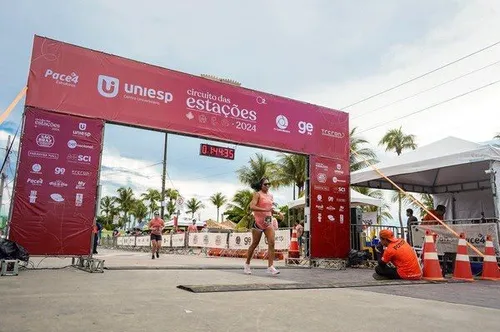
(490, 264)
(432, 269)
(293, 251)
(462, 269)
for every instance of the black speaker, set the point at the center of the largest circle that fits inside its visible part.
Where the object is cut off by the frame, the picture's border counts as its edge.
(356, 228)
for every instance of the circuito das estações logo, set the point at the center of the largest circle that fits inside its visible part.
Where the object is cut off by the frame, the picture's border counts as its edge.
(218, 104)
(109, 87)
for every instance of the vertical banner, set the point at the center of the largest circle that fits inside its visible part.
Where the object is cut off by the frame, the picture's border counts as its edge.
(55, 194)
(330, 207)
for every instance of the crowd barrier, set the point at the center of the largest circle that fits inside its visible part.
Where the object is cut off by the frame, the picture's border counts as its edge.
(213, 244)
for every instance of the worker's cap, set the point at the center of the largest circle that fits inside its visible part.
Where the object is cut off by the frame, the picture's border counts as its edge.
(388, 235)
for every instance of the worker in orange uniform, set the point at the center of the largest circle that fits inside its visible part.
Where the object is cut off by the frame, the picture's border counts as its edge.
(400, 254)
(438, 212)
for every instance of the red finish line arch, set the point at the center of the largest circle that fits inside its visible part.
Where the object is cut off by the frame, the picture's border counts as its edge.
(73, 91)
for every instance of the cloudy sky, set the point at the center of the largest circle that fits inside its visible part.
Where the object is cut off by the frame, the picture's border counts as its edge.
(332, 53)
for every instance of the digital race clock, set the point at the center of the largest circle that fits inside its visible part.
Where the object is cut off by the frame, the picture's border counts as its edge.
(216, 151)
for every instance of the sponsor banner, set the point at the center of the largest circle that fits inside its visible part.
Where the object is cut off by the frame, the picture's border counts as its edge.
(165, 240)
(71, 79)
(240, 240)
(129, 241)
(178, 240)
(143, 241)
(369, 218)
(281, 240)
(330, 208)
(55, 193)
(196, 240)
(447, 242)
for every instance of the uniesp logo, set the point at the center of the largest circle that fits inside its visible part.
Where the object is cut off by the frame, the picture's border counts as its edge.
(109, 87)
(81, 131)
(45, 140)
(282, 124)
(63, 79)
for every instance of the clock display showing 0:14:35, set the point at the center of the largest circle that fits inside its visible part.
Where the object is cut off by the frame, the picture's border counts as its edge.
(216, 151)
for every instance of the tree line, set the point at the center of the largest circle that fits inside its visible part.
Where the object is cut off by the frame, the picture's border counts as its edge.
(288, 170)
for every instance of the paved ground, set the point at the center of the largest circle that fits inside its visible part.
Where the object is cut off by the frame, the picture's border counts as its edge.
(130, 300)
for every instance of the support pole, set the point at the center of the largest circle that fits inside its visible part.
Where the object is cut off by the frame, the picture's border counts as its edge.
(3, 176)
(164, 177)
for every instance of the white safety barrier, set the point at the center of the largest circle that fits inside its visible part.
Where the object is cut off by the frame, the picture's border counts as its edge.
(143, 241)
(178, 240)
(165, 241)
(239, 241)
(281, 240)
(447, 242)
(230, 241)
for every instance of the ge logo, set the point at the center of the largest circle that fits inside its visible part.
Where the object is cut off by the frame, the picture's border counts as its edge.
(281, 122)
(305, 127)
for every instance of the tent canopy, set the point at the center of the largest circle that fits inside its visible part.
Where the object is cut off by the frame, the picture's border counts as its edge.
(448, 165)
(357, 199)
(452, 170)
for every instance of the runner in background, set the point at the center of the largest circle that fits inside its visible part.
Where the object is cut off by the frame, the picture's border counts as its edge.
(192, 228)
(300, 230)
(262, 207)
(156, 226)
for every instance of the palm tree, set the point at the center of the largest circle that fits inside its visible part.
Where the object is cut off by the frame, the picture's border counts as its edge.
(396, 140)
(107, 204)
(171, 209)
(125, 201)
(218, 199)
(291, 170)
(238, 211)
(364, 156)
(193, 205)
(153, 197)
(139, 211)
(257, 169)
(384, 214)
(172, 194)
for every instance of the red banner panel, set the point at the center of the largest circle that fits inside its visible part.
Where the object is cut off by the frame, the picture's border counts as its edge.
(55, 194)
(80, 81)
(330, 207)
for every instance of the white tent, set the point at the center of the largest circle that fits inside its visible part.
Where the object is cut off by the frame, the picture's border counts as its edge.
(459, 174)
(185, 221)
(357, 199)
